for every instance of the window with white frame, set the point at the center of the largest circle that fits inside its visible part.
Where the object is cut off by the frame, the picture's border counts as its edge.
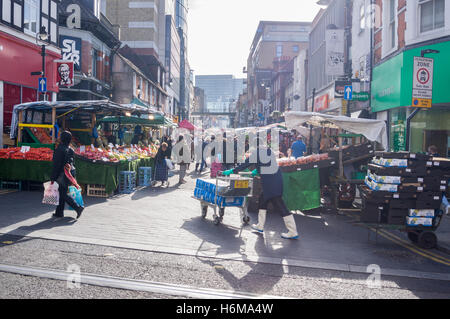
(362, 17)
(31, 16)
(432, 15)
(392, 23)
(279, 51)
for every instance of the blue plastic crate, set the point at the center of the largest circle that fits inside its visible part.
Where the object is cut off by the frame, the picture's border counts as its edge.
(230, 201)
(127, 182)
(145, 176)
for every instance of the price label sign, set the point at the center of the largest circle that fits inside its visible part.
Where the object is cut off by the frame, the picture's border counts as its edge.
(25, 149)
(82, 149)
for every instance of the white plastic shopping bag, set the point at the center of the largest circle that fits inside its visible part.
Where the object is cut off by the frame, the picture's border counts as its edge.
(51, 194)
(169, 164)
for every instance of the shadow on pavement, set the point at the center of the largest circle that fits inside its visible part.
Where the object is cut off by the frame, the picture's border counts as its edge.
(26, 230)
(21, 206)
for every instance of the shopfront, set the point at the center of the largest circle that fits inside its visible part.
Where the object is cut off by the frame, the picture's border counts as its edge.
(18, 58)
(392, 93)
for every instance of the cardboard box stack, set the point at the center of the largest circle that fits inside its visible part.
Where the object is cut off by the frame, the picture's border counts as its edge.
(404, 189)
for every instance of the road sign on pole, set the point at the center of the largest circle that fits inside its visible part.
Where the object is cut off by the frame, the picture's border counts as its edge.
(348, 93)
(42, 84)
(423, 82)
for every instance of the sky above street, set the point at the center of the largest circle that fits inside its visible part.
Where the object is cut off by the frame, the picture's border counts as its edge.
(221, 31)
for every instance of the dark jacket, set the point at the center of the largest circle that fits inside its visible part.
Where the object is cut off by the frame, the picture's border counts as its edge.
(161, 156)
(272, 184)
(62, 156)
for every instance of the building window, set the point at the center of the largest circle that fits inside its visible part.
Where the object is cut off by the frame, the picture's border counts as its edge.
(279, 51)
(432, 15)
(295, 48)
(31, 16)
(392, 24)
(6, 11)
(362, 18)
(94, 62)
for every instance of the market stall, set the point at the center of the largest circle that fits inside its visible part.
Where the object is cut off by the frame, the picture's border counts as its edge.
(98, 160)
(337, 177)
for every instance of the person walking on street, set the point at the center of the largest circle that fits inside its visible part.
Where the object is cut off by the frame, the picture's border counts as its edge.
(63, 172)
(161, 168)
(181, 144)
(272, 184)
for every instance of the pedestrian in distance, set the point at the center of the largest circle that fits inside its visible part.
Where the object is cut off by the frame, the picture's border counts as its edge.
(181, 145)
(63, 172)
(272, 184)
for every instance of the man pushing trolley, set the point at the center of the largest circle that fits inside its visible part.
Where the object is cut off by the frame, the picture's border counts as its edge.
(265, 165)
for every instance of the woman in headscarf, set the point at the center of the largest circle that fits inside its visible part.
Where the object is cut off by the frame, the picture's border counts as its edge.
(161, 169)
(63, 173)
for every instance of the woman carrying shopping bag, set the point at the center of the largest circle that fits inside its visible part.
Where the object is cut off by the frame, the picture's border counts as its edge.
(63, 173)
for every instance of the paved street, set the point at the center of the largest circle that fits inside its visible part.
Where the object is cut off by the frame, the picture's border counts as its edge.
(165, 224)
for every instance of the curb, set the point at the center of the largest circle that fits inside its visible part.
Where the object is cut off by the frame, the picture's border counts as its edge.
(444, 249)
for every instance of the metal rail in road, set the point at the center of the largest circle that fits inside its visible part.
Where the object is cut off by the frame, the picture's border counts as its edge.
(129, 284)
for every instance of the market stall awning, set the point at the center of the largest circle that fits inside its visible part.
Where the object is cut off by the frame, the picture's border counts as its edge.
(155, 120)
(187, 125)
(66, 107)
(373, 130)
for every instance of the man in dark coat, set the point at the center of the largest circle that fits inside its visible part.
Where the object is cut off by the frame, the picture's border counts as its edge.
(272, 184)
(62, 158)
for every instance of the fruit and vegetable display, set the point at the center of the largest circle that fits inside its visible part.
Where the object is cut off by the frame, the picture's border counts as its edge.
(302, 160)
(116, 154)
(42, 135)
(33, 154)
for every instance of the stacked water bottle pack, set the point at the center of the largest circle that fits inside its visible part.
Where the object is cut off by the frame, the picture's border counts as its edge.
(206, 190)
(404, 188)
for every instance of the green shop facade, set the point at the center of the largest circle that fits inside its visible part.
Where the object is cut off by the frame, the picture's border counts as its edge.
(411, 128)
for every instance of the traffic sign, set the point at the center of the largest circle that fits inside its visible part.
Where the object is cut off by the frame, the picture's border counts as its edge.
(361, 96)
(42, 84)
(423, 82)
(339, 88)
(348, 93)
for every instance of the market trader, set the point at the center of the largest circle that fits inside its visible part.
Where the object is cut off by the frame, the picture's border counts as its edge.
(298, 148)
(272, 184)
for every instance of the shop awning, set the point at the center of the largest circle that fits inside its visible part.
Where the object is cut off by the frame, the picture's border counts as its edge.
(155, 120)
(187, 125)
(67, 107)
(373, 130)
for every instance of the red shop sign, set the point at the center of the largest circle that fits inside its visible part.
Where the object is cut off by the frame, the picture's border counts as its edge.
(322, 103)
(64, 73)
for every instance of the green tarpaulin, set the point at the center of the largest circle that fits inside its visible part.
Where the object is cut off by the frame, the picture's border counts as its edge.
(99, 173)
(301, 190)
(24, 170)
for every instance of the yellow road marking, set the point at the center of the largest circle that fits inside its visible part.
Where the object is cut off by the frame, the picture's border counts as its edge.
(411, 248)
(418, 248)
(7, 191)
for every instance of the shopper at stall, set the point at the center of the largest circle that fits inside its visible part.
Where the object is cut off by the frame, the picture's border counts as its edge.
(161, 168)
(272, 184)
(63, 172)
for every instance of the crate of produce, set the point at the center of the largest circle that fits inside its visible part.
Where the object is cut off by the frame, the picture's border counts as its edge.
(94, 190)
(127, 182)
(145, 176)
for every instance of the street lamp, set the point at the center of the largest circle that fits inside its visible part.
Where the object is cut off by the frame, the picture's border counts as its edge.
(43, 37)
(428, 51)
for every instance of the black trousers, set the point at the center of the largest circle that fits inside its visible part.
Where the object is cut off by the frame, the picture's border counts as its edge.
(65, 198)
(278, 204)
